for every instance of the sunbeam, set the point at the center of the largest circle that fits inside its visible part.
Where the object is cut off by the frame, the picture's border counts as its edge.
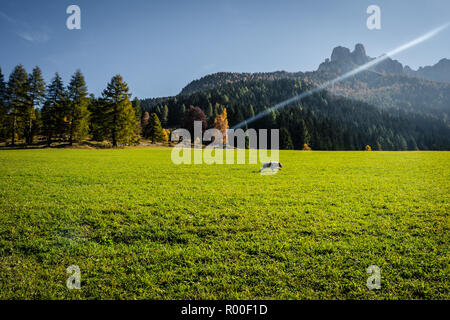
(347, 75)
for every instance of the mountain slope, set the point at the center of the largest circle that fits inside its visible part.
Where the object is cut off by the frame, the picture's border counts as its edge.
(386, 85)
(323, 121)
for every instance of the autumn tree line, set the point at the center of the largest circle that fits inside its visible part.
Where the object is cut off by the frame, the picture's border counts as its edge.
(32, 111)
(29, 108)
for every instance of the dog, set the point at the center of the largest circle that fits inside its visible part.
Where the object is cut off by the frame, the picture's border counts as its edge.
(273, 165)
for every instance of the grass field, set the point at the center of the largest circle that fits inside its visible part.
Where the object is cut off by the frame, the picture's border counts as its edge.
(139, 226)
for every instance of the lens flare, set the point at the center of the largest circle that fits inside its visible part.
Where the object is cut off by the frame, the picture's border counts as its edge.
(347, 75)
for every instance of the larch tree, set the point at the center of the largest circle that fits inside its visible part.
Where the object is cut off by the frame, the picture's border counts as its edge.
(120, 116)
(221, 124)
(78, 113)
(166, 135)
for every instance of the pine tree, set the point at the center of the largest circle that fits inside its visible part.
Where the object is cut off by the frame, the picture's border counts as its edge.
(97, 127)
(304, 134)
(285, 140)
(182, 111)
(209, 113)
(78, 114)
(37, 95)
(137, 108)
(119, 116)
(154, 130)
(36, 127)
(54, 111)
(164, 115)
(251, 112)
(19, 102)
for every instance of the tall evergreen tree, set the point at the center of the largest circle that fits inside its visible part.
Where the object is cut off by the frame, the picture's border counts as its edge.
(164, 115)
(137, 108)
(120, 116)
(19, 101)
(285, 140)
(304, 136)
(153, 129)
(54, 111)
(138, 113)
(209, 113)
(37, 95)
(98, 128)
(78, 114)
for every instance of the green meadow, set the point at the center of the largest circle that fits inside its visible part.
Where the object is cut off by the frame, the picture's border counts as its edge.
(140, 227)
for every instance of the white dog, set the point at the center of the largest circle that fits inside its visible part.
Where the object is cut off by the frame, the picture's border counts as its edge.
(273, 165)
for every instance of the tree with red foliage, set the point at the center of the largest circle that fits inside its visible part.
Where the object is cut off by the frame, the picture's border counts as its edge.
(194, 114)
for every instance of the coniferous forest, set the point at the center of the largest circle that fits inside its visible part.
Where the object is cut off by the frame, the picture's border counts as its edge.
(32, 111)
(323, 121)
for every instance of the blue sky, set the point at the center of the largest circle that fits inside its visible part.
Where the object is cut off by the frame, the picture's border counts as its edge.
(160, 46)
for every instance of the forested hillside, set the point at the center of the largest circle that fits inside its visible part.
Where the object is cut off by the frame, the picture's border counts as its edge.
(387, 85)
(323, 121)
(391, 91)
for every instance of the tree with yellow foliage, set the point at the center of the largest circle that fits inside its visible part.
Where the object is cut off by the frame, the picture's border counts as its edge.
(221, 124)
(166, 133)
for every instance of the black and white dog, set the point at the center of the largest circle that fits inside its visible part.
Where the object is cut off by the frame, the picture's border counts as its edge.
(273, 165)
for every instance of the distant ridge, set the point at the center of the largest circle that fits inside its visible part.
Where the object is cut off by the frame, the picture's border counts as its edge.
(438, 72)
(342, 60)
(387, 85)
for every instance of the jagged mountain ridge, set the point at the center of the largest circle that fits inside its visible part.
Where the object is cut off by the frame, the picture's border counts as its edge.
(342, 59)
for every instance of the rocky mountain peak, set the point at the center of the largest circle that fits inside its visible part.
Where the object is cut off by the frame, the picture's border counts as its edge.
(343, 60)
(359, 54)
(341, 54)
